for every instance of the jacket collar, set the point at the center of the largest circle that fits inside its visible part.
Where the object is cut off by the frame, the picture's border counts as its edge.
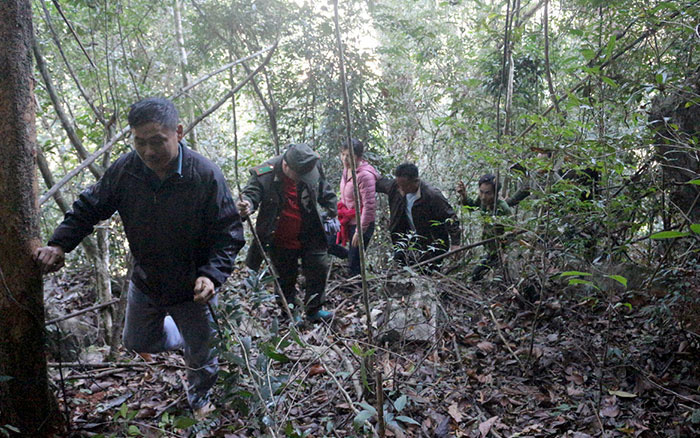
(183, 170)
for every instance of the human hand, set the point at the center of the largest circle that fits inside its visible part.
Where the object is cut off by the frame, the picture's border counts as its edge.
(244, 208)
(355, 240)
(461, 188)
(203, 290)
(49, 258)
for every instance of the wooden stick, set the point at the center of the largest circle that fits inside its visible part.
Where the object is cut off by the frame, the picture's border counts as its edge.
(80, 312)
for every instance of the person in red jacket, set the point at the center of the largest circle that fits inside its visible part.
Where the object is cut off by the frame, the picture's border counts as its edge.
(367, 177)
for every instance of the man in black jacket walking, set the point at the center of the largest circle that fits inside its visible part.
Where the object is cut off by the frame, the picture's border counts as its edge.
(422, 223)
(288, 190)
(184, 233)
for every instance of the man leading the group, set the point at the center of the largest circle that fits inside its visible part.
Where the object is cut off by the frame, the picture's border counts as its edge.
(288, 190)
(184, 233)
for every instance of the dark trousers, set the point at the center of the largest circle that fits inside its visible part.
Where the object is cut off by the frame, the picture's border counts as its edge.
(354, 251)
(417, 249)
(314, 266)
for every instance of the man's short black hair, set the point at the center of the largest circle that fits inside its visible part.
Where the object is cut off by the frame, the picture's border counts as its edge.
(358, 148)
(490, 178)
(154, 110)
(406, 170)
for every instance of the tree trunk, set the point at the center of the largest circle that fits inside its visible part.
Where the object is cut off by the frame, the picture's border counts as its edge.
(25, 400)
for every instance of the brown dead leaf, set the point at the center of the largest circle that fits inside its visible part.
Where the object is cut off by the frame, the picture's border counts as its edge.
(316, 369)
(572, 391)
(454, 412)
(486, 346)
(485, 427)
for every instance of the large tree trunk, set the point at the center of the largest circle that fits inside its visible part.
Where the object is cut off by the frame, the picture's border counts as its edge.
(25, 400)
(676, 121)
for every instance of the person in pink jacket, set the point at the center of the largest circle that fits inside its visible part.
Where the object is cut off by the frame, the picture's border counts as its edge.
(366, 179)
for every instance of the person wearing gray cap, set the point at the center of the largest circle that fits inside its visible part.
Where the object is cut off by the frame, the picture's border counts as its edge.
(287, 191)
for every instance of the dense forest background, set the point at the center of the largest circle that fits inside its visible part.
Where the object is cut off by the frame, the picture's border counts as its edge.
(590, 329)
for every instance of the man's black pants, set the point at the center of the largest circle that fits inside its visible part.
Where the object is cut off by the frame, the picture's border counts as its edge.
(314, 267)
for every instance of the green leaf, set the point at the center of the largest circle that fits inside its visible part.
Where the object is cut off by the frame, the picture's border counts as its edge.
(408, 420)
(619, 278)
(588, 54)
(400, 403)
(694, 182)
(575, 281)
(695, 228)
(270, 352)
(668, 235)
(369, 407)
(609, 81)
(357, 350)
(572, 273)
(134, 431)
(610, 47)
(183, 422)
(362, 416)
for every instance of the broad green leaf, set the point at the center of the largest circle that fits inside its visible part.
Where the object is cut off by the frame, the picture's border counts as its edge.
(668, 235)
(408, 420)
(400, 403)
(588, 54)
(362, 416)
(184, 422)
(619, 278)
(695, 228)
(270, 352)
(572, 273)
(134, 431)
(694, 182)
(369, 407)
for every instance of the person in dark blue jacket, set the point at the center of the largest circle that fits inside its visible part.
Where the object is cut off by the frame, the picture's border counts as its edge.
(184, 232)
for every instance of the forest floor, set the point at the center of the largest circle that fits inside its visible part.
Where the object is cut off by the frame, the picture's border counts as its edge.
(595, 365)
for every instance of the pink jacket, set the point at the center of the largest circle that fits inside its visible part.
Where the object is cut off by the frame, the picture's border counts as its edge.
(367, 177)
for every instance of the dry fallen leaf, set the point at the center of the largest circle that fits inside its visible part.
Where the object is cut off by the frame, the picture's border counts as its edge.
(485, 427)
(316, 369)
(486, 346)
(453, 410)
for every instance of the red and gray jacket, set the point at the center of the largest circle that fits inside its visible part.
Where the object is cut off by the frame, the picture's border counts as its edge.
(265, 190)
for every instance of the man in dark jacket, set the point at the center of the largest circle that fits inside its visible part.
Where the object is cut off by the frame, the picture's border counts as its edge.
(288, 190)
(422, 223)
(184, 233)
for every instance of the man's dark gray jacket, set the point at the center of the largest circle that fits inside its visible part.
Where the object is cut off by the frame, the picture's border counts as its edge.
(435, 221)
(179, 229)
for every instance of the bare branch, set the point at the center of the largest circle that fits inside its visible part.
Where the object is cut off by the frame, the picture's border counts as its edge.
(67, 125)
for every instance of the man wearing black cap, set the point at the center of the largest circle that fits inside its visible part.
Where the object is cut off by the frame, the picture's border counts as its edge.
(288, 190)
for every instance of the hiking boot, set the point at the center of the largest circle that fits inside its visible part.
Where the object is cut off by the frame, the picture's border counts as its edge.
(320, 315)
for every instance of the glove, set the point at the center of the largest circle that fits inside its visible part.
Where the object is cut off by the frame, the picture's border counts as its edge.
(331, 226)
